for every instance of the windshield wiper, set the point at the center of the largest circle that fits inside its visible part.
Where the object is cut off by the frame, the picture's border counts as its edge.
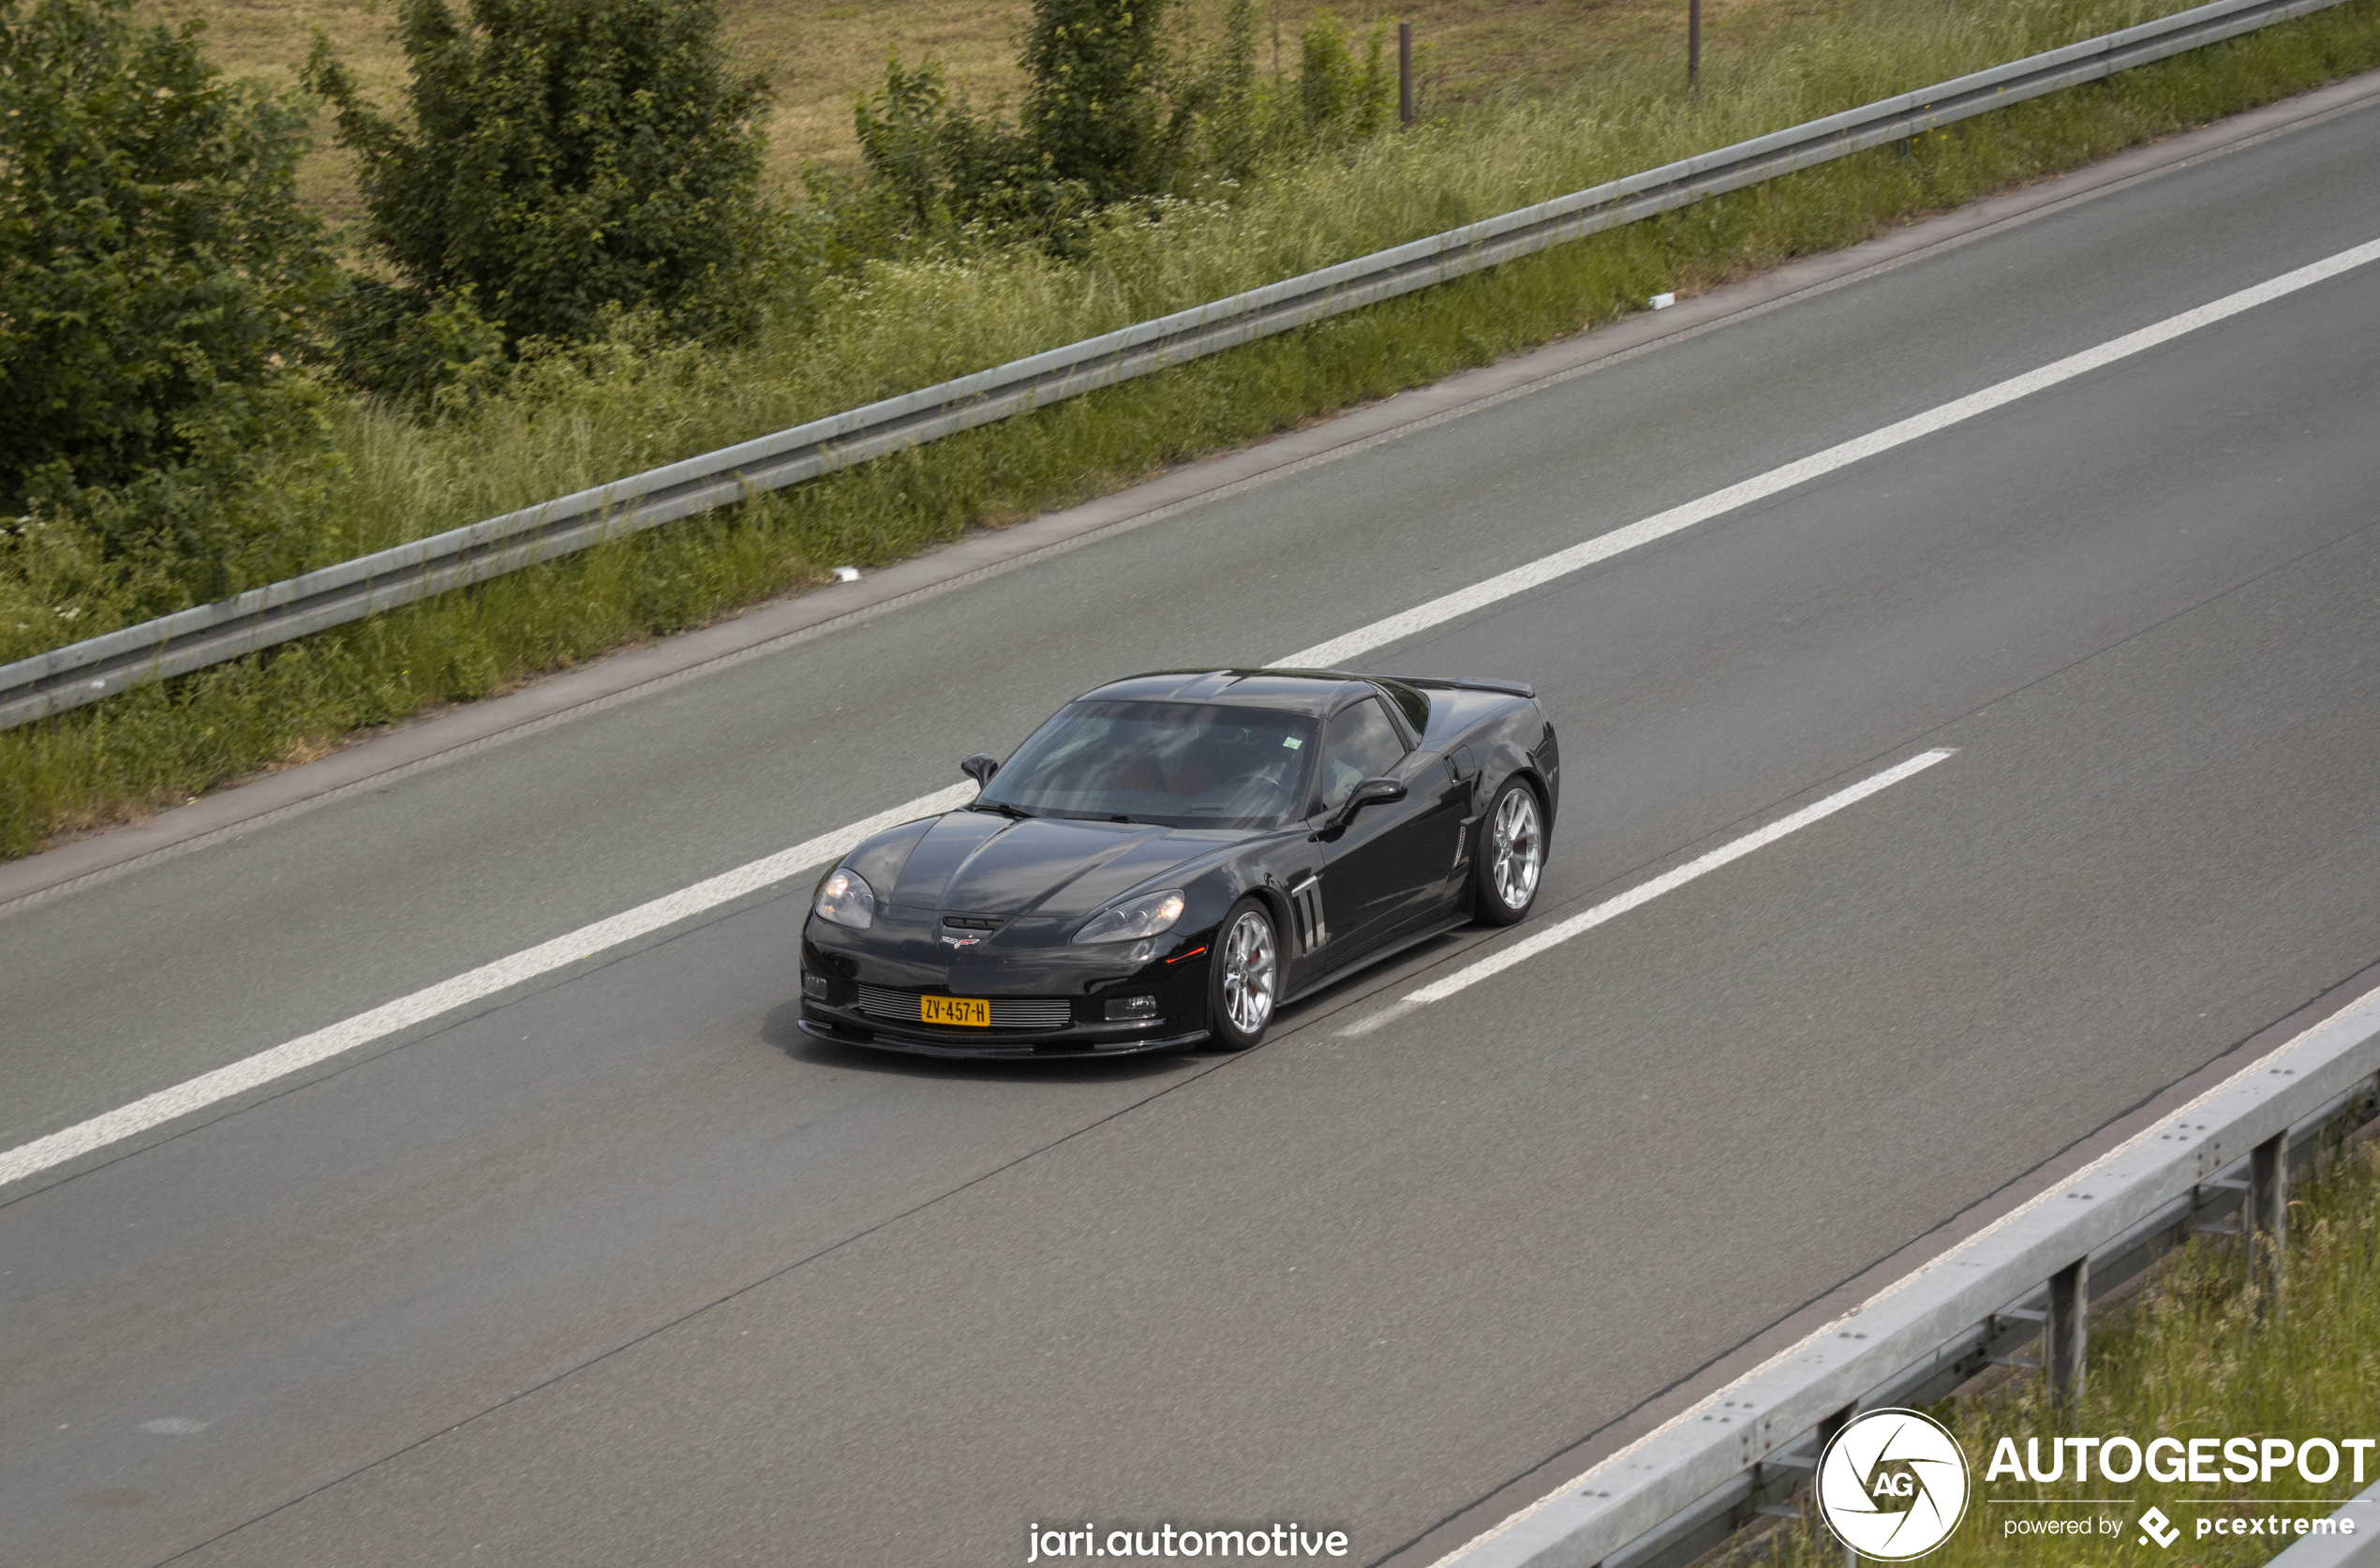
(1014, 813)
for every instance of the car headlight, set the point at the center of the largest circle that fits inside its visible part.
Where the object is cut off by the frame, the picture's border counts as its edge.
(846, 899)
(1129, 922)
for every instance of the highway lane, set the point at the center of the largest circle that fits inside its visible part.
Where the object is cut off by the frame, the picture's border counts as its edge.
(120, 991)
(2165, 801)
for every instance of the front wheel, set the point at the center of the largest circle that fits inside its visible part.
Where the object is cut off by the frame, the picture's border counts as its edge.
(1244, 979)
(1510, 861)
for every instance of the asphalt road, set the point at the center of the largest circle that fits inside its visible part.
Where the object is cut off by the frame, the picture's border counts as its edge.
(631, 1272)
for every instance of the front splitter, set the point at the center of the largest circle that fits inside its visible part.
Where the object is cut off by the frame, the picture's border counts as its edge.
(1063, 1051)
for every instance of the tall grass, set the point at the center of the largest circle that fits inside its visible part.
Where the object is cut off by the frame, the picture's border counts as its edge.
(580, 418)
(2190, 1358)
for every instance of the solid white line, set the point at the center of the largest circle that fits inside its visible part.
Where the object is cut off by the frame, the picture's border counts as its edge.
(1645, 893)
(517, 973)
(523, 970)
(1396, 628)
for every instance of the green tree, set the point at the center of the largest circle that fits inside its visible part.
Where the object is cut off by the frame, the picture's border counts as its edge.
(159, 281)
(1095, 99)
(560, 158)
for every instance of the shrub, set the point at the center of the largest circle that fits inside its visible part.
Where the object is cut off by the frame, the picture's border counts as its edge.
(1341, 99)
(161, 284)
(416, 349)
(935, 164)
(1095, 99)
(560, 157)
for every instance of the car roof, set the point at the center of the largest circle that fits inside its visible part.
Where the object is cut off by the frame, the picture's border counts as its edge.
(1315, 691)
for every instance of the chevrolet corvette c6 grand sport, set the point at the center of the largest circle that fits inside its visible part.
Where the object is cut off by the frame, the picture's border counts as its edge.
(1172, 858)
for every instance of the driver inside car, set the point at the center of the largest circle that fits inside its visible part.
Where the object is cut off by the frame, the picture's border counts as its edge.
(1180, 760)
(1362, 744)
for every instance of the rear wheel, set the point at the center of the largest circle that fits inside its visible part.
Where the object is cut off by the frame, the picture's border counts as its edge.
(1244, 978)
(1511, 860)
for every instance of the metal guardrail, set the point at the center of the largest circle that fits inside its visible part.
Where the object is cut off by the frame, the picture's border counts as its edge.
(1746, 1450)
(86, 671)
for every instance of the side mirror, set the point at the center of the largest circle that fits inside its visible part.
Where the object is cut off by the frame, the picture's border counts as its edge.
(980, 768)
(1370, 792)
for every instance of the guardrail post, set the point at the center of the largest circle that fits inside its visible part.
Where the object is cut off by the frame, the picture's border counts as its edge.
(2064, 1331)
(1826, 1430)
(1405, 73)
(2267, 1228)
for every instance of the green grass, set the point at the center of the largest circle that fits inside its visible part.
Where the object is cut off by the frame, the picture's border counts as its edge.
(2189, 1358)
(612, 410)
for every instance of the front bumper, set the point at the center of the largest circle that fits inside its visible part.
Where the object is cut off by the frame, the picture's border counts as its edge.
(900, 953)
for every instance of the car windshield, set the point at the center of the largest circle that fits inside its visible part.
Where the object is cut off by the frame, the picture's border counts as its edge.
(1182, 765)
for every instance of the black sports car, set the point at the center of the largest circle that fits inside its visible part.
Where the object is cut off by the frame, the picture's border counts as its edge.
(1172, 856)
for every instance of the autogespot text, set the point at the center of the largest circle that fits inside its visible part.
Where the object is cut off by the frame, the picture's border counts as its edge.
(1168, 1541)
(2199, 1460)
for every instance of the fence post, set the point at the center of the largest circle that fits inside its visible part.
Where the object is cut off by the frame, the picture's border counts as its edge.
(2063, 1335)
(2267, 1228)
(1404, 73)
(1694, 48)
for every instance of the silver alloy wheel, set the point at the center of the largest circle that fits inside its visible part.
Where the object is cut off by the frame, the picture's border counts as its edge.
(1248, 973)
(1517, 852)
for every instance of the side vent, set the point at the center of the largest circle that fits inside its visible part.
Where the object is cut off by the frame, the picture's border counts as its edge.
(1305, 899)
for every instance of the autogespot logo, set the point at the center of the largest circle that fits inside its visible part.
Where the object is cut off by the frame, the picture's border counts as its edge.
(1891, 1485)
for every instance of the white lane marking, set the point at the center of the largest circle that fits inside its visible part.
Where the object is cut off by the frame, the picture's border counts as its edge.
(1396, 628)
(524, 968)
(1645, 893)
(464, 990)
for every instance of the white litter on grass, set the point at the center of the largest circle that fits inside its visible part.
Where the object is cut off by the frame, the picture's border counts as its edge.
(846, 573)
(1662, 302)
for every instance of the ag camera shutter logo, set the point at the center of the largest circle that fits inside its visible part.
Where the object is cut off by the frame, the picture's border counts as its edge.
(1891, 1485)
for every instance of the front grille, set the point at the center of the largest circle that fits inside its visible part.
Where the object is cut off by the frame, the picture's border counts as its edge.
(1008, 1012)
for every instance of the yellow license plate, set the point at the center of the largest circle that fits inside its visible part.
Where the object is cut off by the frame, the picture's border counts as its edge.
(971, 1010)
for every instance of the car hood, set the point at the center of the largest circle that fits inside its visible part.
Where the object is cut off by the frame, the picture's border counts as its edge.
(981, 863)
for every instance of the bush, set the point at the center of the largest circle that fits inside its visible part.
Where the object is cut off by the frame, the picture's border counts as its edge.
(1339, 100)
(1095, 100)
(162, 284)
(415, 348)
(934, 164)
(560, 157)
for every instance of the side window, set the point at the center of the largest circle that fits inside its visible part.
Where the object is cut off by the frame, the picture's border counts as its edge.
(1360, 744)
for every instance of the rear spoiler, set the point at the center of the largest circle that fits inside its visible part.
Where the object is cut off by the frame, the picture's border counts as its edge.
(1509, 688)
